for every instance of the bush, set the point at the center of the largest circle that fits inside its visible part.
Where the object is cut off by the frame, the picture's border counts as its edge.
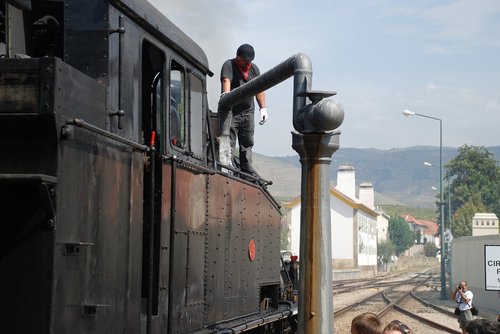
(430, 249)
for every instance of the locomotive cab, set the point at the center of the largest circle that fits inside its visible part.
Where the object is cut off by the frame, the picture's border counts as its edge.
(118, 217)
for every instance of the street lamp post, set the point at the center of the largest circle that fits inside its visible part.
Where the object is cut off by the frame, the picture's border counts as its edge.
(447, 177)
(441, 207)
(449, 235)
(449, 200)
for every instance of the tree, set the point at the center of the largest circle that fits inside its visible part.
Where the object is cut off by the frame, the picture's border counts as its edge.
(462, 219)
(385, 251)
(400, 234)
(473, 172)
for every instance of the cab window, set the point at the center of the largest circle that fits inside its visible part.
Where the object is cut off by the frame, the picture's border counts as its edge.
(177, 106)
(186, 110)
(196, 114)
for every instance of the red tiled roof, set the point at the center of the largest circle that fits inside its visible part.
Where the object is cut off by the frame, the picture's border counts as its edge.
(430, 227)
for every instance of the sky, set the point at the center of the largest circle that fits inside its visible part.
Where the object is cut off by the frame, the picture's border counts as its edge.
(434, 57)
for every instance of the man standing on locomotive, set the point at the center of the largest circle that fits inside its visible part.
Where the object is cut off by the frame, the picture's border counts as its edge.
(234, 73)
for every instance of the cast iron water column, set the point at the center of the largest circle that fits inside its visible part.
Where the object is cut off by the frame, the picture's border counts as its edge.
(315, 139)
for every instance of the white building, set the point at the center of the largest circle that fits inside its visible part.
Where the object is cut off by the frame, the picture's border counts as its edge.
(354, 224)
(484, 224)
(382, 226)
(367, 197)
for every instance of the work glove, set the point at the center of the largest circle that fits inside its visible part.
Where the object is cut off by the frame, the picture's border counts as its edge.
(263, 115)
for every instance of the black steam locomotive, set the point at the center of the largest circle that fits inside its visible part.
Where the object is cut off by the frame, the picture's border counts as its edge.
(115, 215)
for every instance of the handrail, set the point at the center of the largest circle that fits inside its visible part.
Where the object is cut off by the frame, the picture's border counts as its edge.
(203, 169)
(87, 126)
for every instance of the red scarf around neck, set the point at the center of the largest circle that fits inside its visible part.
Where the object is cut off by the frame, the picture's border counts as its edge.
(244, 71)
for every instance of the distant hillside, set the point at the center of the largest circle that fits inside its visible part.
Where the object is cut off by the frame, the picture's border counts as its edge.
(421, 213)
(284, 174)
(399, 176)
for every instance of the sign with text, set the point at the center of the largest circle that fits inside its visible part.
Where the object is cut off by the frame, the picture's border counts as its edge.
(492, 267)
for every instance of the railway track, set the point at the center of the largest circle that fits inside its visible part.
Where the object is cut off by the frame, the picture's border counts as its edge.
(345, 286)
(393, 299)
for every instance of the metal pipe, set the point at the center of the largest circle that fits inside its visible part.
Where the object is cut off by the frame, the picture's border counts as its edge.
(441, 203)
(315, 284)
(298, 65)
(444, 295)
(121, 42)
(173, 203)
(449, 201)
(192, 166)
(87, 126)
(151, 236)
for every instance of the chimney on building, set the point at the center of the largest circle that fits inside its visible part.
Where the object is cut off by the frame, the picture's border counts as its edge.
(346, 181)
(366, 195)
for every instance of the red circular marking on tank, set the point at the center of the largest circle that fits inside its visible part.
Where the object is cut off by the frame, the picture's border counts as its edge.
(251, 250)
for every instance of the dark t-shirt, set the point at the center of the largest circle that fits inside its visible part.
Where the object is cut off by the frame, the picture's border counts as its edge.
(231, 71)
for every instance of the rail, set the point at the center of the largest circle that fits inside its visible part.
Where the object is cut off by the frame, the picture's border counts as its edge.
(87, 126)
(395, 305)
(182, 162)
(385, 306)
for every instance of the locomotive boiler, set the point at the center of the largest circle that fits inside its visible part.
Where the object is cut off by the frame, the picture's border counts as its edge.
(116, 216)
